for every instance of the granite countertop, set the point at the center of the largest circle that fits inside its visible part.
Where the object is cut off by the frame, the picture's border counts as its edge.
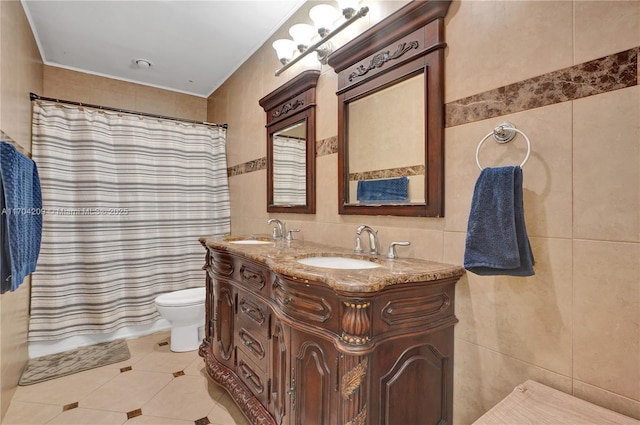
(281, 256)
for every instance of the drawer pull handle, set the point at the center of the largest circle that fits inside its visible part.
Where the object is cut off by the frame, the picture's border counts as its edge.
(250, 377)
(252, 344)
(252, 310)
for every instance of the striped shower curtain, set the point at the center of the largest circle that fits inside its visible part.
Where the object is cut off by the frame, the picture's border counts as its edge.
(125, 199)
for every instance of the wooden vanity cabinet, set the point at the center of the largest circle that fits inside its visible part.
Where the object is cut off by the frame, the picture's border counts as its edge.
(291, 351)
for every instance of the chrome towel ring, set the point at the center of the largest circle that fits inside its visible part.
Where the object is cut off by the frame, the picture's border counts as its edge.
(504, 133)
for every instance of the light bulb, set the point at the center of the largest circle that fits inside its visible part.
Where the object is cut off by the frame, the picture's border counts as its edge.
(323, 16)
(284, 49)
(302, 35)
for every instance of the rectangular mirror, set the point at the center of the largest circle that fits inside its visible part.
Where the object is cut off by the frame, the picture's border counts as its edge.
(391, 115)
(291, 145)
(393, 171)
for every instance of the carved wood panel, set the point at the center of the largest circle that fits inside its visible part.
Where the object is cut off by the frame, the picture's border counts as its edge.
(301, 304)
(279, 372)
(224, 323)
(312, 381)
(420, 371)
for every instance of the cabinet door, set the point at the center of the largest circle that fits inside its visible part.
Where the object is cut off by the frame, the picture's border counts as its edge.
(281, 389)
(415, 381)
(223, 348)
(313, 380)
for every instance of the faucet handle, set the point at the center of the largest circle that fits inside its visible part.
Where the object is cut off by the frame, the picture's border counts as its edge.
(290, 234)
(392, 249)
(358, 249)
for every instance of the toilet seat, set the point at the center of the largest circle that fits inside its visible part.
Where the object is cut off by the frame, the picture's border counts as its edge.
(182, 298)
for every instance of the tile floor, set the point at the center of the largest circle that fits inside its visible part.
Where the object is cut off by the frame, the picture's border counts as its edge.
(155, 386)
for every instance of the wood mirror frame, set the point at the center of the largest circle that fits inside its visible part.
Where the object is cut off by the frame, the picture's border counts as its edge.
(293, 103)
(407, 43)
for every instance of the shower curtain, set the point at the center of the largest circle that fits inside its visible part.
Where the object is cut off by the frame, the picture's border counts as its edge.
(125, 199)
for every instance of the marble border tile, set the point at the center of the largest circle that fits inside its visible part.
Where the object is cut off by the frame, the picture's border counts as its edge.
(414, 170)
(247, 167)
(613, 72)
(326, 146)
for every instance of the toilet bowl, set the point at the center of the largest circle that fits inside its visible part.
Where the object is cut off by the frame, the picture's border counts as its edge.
(184, 310)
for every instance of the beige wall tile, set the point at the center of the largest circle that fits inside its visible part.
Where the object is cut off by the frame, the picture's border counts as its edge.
(495, 43)
(217, 106)
(22, 71)
(607, 316)
(525, 318)
(104, 97)
(76, 86)
(327, 108)
(326, 188)
(191, 107)
(156, 101)
(453, 250)
(606, 163)
(606, 399)
(249, 196)
(547, 175)
(605, 27)
(483, 377)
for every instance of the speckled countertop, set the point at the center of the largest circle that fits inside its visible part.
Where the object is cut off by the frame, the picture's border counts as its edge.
(281, 256)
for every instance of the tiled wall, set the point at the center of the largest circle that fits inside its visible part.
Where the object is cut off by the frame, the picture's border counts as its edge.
(575, 325)
(21, 72)
(87, 88)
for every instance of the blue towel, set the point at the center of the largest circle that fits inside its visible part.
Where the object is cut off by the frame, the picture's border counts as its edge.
(21, 216)
(497, 241)
(385, 190)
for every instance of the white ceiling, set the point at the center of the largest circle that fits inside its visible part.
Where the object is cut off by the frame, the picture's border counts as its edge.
(194, 46)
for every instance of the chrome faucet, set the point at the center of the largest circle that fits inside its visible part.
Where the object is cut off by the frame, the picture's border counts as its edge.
(280, 229)
(374, 245)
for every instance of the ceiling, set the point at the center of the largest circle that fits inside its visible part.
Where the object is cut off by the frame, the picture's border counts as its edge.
(193, 46)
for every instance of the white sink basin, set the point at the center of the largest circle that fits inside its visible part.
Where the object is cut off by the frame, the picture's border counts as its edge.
(338, 263)
(250, 242)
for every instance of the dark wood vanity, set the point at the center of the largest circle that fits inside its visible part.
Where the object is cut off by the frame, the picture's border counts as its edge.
(297, 344)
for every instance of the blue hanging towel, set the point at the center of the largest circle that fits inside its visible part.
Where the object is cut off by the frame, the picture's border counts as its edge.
(497, 241)
(384, 190)
(21, 216)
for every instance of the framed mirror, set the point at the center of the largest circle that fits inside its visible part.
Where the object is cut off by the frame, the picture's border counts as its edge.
(291, 145)
(391, 115)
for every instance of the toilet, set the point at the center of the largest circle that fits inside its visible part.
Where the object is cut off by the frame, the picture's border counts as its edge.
(184, 310)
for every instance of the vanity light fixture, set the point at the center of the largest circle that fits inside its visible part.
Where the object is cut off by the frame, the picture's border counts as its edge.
(323, 17)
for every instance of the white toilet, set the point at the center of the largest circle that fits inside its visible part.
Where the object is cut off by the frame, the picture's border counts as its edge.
(184, 309)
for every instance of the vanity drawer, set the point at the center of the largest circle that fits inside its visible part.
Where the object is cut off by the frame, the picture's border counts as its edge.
(253, 318)
(250, 275)
(221, 264)
(304, 302)
(254, 378)
(253, 313)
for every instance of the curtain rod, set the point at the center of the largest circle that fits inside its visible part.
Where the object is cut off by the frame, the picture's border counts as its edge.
(34, 96)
